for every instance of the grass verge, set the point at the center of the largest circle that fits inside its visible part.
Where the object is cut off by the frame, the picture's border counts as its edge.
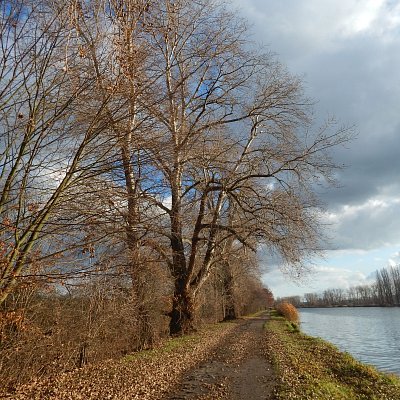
(181, 344)
(310, 368)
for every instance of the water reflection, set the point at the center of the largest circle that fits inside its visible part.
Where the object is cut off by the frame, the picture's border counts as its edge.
(371, 335)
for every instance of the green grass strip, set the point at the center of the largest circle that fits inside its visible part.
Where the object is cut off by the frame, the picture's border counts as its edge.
(310, 368)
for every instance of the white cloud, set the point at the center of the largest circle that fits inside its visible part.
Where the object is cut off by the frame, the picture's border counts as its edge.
(362, 16)
(392, 263)
(167, 201)
(373, 207)
(394, 260)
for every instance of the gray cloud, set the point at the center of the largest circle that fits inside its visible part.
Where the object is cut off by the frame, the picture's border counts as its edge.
(367, 226)
(348, 55)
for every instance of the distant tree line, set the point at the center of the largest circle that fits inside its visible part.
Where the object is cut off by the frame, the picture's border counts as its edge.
(385, 291)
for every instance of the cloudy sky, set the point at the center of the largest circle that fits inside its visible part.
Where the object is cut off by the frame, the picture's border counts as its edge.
(348, 54)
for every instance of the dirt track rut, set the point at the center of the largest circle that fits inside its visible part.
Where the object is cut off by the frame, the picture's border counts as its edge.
(238, 370)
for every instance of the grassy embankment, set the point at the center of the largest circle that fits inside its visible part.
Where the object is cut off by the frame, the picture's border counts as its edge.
(310, 368)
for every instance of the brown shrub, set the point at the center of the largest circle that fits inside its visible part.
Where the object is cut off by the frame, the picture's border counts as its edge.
(288, 311)
(45, 334)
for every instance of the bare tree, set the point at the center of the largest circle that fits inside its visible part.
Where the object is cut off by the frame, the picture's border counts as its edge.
(385, 288)
(45, 146)
(334, 297)
(312, 299)
(115, 46)
(395, 275)
(233, 130)
(238, 269)
(182, 124)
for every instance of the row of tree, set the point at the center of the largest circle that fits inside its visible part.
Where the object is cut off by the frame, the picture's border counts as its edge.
(146, 151)
(384, 291)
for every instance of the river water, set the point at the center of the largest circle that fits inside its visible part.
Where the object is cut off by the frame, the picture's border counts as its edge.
(369, 334)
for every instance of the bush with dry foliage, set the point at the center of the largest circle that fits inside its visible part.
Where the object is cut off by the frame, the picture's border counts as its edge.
(288, 311)
(44, 333)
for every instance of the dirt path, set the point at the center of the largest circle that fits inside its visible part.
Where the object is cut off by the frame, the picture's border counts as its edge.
(238, 370)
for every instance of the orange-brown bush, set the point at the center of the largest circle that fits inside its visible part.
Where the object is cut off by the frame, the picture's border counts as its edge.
(288, 311)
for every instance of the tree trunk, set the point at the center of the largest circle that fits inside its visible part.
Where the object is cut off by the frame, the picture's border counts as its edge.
(230, 306)
(145, 332)
(183, 310)
(145, 329)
